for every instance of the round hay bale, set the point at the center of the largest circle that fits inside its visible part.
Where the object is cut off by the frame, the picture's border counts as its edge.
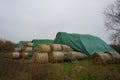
(102, 58)
(24, 55)
(15, 55)
(115, 57)
(56, 47)
(40, 58)
(79, 55)
(66, 48)
(44, 48)
(28, 44)
(57, 57)
(76, 55)
(27, 49)
(17, 49)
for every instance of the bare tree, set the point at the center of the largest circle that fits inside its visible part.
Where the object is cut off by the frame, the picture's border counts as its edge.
(6, 46)
(112, 21)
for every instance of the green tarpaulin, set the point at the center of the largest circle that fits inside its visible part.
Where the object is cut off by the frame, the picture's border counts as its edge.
(87, 44)
(21, 44)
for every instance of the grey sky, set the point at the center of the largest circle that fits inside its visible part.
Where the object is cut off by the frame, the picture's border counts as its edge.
(42, 19)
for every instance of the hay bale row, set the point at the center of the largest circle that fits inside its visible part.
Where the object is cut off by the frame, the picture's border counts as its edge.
(44, 48)
(106, 58)
(55, 51)
(48, 57)
(15, 55)
(56, 57)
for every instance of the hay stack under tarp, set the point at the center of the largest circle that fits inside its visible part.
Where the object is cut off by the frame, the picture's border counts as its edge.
(56, 57)
(17, 49)
(43, 48)
(115, 57)
(15, 55)
(40, 58)
(56, 47)
(28, 44)
(102, 58)
(66, 48)
(87, 44)
(27, 49)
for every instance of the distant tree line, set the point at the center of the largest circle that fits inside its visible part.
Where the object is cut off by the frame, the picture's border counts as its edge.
(6, 46)
(112, 23)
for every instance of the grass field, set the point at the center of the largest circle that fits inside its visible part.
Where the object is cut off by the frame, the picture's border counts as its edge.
(84, 70)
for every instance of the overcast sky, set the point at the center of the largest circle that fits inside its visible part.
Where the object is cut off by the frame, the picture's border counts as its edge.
(42, 19)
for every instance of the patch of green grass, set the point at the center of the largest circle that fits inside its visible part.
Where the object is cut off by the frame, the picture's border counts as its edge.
(4, 55)
(86, 70)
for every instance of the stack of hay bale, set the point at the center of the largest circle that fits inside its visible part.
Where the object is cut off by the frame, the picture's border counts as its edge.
(16, 54)
(41, 56)
(27, 48)
(61, 53)
(106, 58)
(54, 53)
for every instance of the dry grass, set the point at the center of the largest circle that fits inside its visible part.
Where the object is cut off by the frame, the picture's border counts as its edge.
(84, 70)
(13, 70)
(44, 71)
